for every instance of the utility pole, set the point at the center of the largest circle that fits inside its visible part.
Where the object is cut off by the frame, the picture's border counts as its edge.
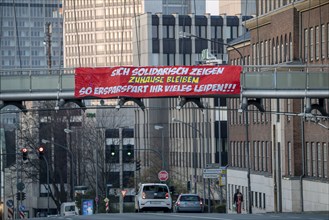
(47, 42)
(121, 169)
(97, 199)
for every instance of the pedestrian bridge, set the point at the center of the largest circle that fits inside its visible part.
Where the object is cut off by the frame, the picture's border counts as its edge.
(257, 82)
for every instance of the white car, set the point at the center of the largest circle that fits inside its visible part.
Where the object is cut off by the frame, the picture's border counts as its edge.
(153, 197)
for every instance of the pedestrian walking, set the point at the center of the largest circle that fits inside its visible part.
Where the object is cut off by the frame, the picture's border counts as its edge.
(238, 199)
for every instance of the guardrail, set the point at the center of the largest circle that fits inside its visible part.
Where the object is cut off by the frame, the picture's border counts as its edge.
(292, 81)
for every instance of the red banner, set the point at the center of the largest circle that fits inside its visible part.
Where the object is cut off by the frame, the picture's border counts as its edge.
(157, 81)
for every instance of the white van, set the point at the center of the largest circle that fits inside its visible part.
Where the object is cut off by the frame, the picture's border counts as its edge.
(69, 209)
(153, 197)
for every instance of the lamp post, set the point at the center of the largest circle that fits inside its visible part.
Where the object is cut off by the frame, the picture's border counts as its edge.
(194, 149)
(159, 127)
(189, 35)
(121, 169)
(71, 154)
(69, 131)
(47, 166)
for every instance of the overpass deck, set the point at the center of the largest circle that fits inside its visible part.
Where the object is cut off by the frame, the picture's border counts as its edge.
(298, 81)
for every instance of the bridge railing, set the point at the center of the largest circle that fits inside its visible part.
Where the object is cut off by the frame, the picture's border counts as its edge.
(34, 84)
(279, 81)
(292, 81)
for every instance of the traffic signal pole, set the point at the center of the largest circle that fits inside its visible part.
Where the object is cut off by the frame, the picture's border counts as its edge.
(121, 169)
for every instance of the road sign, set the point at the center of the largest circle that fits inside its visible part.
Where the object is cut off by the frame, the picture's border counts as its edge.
(20, 186)
(210, 176)
(123, 192)
(21, 208)
(106, 200)
(213, 171)
(213, 166)
(10, 203)
(96, 199)
(163, 175)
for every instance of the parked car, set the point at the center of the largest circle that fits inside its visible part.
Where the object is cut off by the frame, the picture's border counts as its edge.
(188, 203)
(153, 197)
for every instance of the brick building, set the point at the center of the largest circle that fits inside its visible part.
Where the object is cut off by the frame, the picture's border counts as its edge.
(288, 154)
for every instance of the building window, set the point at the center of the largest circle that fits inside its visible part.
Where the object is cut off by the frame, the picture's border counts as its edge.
(325, 160)
(264, 156)
(260, 156)
(319, 159)
(286, 49)
(306, 45)
(243, 154)
(260, 199)
(311, 44)
(328, 40)
(234, 32)
(232, 154)
(308, 159)
(290, 48)
(264, 200)
(314, 159)
(273, 53)
(239, 154)
(254, 54)
(266, 52)
(282, 50)
(323, 41)
(255, 155)
(171, 32)
(317, 42)
(262, 62)
(268, 156)
(278, 52)
(289, 159)
(155, 32)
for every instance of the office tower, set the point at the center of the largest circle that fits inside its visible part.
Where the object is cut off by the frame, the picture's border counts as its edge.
(99, 33)
(31, 37)
(243, 7)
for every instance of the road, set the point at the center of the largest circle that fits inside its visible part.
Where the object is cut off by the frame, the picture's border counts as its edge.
(194, 216)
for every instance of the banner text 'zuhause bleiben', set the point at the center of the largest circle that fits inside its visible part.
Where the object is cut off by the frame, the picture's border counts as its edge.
(162, 81)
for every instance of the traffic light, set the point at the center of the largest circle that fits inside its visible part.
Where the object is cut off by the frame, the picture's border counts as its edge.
(41, 151)
(138, 165)
(111, 154)
(24, 153)
(20, 196)
(128, 153)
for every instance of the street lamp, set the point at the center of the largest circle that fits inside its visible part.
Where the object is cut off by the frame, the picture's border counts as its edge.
(159, 127)
(47, 167)
(71, 155)
(73, 165)
(194, 150)
(189, 35)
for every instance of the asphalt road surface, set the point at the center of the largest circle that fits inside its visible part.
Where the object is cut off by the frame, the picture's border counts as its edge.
(194, 216)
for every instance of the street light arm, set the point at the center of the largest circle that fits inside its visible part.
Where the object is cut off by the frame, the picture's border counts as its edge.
(191, 126)
(59, 145)
(72, 159)
(187, 35)
(155, 151)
